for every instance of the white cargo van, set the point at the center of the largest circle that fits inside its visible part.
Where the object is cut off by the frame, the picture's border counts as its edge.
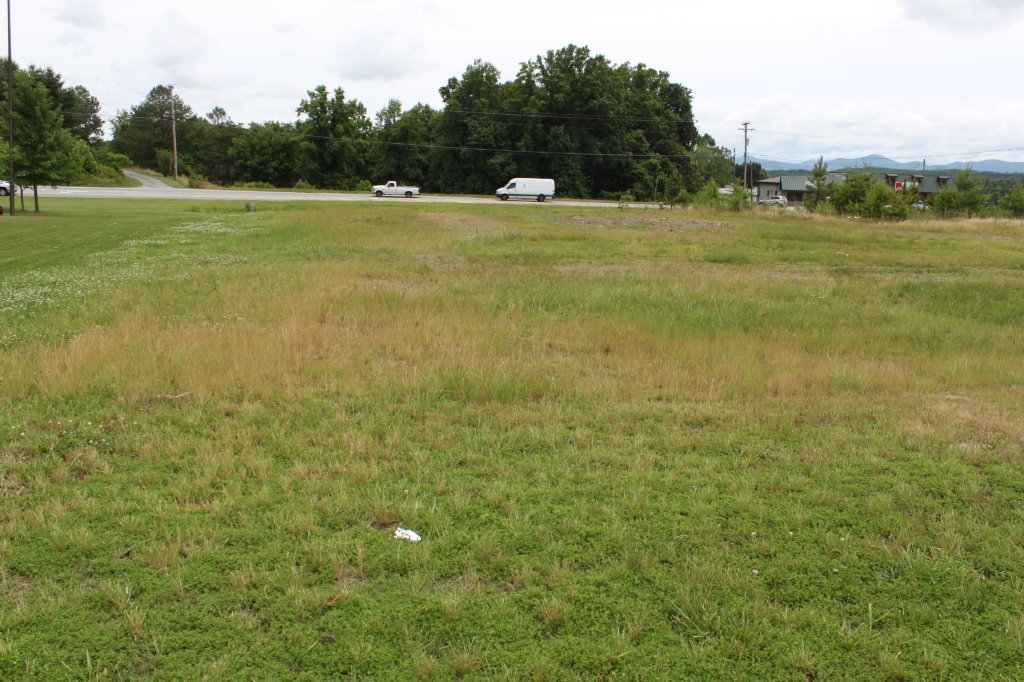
(530, 188)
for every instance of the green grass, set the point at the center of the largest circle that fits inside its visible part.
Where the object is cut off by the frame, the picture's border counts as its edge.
(637, 444)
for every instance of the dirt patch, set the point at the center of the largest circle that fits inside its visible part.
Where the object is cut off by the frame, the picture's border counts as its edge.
(654, 222)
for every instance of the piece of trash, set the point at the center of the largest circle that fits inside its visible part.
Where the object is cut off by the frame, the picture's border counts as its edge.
(406, 534)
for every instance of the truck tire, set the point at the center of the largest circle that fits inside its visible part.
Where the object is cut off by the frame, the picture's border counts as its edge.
(3, 192)
(408, 195)
(378, 194)
(540, 197)
(503, 197)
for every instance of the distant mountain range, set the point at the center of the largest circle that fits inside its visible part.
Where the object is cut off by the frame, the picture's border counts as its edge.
(876, 161)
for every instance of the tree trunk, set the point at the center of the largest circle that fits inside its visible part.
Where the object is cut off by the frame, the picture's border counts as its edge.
(35, 195)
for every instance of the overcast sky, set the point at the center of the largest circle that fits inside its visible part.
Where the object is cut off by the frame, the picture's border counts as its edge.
(910, 79)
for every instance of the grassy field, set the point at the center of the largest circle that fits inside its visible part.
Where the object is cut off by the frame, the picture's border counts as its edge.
(637, 444)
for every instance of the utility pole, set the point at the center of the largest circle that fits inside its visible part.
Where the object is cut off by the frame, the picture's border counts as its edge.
(174, 132)
(10, 113)
(746, 168)
(924, 164)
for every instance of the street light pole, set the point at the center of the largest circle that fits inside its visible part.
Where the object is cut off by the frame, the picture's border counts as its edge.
(10, 112)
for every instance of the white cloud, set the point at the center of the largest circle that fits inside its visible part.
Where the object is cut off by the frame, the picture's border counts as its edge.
(788, 129)
(851, 76)
(81, 15)
(378, 57)
(960, 15)
(178, 48)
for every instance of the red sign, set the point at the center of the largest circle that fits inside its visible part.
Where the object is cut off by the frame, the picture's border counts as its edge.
(899, 186)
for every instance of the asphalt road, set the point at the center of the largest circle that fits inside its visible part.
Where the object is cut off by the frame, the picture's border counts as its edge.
(154, 189)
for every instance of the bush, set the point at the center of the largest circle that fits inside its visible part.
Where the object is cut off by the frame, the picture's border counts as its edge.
(895, 211)
(364, 186)
(738, 200)
(1014, 201)
(708, 195)
(302, 184)
(626, 198)
(254, 185)
(825, 208)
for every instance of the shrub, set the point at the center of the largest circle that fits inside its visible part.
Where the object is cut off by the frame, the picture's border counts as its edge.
(302, 184)
(1014, 201)
(364, 186)
(738, 200)
(708, 195)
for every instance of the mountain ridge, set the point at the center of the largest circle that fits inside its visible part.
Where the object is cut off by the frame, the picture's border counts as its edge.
(879, 161)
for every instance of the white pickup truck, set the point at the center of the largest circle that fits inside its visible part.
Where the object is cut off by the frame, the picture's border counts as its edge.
(393, 189)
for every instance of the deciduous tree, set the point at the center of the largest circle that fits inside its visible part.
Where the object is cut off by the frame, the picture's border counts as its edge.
(333, 129)
(140, 131)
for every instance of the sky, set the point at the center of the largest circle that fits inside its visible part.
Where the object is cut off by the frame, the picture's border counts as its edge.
(910, 79)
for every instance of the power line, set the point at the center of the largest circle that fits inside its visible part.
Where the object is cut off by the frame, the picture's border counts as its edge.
(824, 133)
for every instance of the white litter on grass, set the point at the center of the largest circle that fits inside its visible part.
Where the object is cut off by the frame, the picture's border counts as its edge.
(406, 534)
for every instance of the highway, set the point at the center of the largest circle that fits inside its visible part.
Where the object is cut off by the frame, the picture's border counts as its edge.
(154, 189)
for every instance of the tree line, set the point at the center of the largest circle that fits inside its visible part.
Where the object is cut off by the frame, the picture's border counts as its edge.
(600, 129)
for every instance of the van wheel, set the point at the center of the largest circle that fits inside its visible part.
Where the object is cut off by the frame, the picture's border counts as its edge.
(378, 194)
(3, 192)
(540, 197)
(503, 197)
(408, 195)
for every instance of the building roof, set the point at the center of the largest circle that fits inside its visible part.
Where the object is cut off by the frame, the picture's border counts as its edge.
(929, 184)
(796, 183)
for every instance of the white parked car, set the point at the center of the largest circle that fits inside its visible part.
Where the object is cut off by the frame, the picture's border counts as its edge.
(5, 188)
(393, 189)
(774, 200)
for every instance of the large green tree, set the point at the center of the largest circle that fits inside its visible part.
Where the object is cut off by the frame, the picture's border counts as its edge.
(400, 144)
(472, 123)
(145, 129)
(209, 143)
(334, 131)
(597, 128)
(268, 152)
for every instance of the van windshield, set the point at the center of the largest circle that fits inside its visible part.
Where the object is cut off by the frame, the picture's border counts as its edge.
(511, 185)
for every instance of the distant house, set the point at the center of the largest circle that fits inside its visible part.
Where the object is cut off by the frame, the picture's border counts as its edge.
(927, 185)
(790, 186)
(793, 187)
